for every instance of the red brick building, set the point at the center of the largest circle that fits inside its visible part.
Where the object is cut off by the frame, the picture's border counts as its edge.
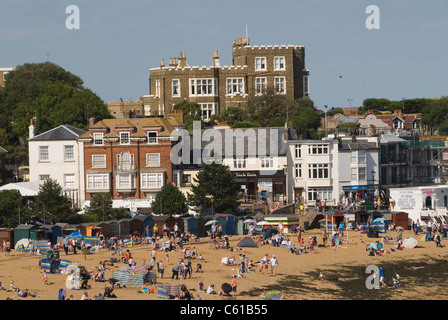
(130, 158)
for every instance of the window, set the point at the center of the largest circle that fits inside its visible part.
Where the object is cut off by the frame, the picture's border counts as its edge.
(298, 151)
(152, 137)
(279, 63)
(354, 175)
(362, 156)
(235, 86)
(69, 181)
(152, 180)
(203, 87)
(260, 64)
(207, 110)
(260, 85)
(98, 161)
(153, 159)
(157, 88)
(239, 163)
(176, 88)
(323, 193)
(298, 170)
(43, 177)
(318, 171)
(124, 138)
(306, 86)
(125, 160)
(318, 149)
(125, 181)
(186, 178)
(267, 162)
(68, 153)
(98, 139)
(354, 159)
(279, 85)
(43, 153)
(98, 181)
(362, 173)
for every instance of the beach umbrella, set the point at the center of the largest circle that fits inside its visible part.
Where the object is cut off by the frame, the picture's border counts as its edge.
(75, 234)
(22, 242)
(226, 287)
(249, 221)
(378, 220)
(263, 223)
(409, 242)
(210, 222)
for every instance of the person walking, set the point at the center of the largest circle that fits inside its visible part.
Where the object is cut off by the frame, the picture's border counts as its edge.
(274, 264)
(65, 244)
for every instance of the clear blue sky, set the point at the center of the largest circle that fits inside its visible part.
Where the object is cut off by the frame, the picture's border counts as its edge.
(119, 41)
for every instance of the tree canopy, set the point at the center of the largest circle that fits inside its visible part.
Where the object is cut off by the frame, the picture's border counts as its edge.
(170, 200)
(214, 187)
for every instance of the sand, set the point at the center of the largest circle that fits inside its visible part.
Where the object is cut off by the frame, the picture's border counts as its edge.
(423, 271)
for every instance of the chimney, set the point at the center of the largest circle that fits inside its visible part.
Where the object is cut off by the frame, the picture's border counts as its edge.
(182, 60)
(215, 59)
(92, 121)
(162, 64)
(31, 129)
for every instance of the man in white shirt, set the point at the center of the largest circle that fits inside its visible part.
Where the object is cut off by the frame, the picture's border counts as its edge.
(274, 264)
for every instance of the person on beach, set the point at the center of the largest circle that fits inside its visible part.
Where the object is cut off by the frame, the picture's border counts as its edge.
(274, 264)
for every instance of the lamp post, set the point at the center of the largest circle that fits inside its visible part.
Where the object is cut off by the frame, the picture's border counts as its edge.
(326, 128)
(350, 102)
(340, 78)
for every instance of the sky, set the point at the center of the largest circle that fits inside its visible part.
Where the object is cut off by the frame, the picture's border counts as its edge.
(119, 41)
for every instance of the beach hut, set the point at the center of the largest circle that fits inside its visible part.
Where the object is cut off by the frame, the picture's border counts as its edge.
(289, 221)
(159, 221)
(191, 225)
(125, 227)
(92, 230)
(52, 233)
(400, 219)
(7, 234)
(139, 223)
(28, 231)
(202, 232)
(105, 228)
(114, 228)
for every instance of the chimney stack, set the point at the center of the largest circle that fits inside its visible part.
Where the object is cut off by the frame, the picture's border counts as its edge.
(31, 129)
(215, 59)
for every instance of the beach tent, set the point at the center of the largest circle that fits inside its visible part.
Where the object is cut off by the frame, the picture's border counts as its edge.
(28, 231)
(130, 277)
(77, 235)
(22, 244)
(75, 283)
(409, 243)
(247, 242)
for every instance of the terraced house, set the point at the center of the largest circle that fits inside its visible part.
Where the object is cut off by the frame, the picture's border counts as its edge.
(130, 158)
(254, 69)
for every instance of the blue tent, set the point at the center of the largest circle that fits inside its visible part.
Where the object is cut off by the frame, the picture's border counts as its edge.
(75, 234)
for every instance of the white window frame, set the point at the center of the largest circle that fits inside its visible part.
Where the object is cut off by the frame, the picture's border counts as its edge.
(120, 160)
(260, 64)
(240, 163)
(298, 151)
(203, 87)
(98, 139)
(152, 140)
(44, 154)
(97, 181)
(323, 193)
(69, 180)
(69, 155)
(153, 159)
(43, 177)
(207, 110)
(298, 170)
(152, 180)
(124, 139)
(98, 161)
(306, 86)
(267, 162)
(318, 149)
(318, 171)
(354, 174)
(362, 156)
(280, 85)
(279, 63)
(260, 85)
(234, 86)
(175, 88)
(362, 173)
(125, 181)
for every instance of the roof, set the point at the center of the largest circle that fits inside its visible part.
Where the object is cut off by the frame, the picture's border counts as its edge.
(390, 138)
(63, 132)
(28, 188)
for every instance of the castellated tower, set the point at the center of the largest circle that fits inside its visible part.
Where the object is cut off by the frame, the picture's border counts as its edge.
(254, 69)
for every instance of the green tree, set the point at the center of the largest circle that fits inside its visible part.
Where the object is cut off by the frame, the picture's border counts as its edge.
(100, 209)
(214, 187)
(435, 115)
(51, 205)
(191, 111)
(170, 200)
(306, 121)
(12, 210)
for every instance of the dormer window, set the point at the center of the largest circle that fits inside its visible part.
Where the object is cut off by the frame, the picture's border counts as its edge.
(124, 137)
(152, 137)
(98, 139)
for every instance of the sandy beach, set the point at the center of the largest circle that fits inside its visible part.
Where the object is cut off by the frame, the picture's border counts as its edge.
(423, 271)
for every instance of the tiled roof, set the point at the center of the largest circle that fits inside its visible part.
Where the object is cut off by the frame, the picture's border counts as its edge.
(63, 132)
